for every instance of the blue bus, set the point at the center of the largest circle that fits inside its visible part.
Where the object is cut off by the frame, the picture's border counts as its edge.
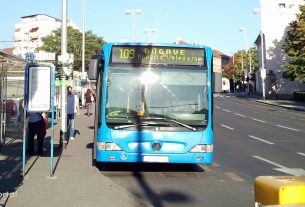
(154, 103)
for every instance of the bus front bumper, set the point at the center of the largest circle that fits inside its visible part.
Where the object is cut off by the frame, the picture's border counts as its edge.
(121, 156)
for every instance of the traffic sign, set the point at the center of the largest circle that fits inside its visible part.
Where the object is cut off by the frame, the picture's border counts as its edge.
(39, 87)
(30, 56)
(64, 82)
(39, 56)
(42, 56)
(39, 94)
(263, 73)
(66, 61)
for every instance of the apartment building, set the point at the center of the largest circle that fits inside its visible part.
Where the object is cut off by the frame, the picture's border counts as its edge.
(275, 17)
(31, 29)
(219, 62)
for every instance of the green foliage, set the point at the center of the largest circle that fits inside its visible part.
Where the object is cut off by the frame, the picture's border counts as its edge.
(52, 43)
(235, 69)
(294, 48)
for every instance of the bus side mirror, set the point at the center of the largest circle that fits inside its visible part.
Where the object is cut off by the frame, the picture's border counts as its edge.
(94, 67)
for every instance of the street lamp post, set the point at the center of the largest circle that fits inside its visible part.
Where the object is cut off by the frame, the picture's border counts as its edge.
(66, 62)
(233, 61)
(133, 12)
(63, 111)
(250, 62)
(263, 70)
(246, 47)
(149, 31)
(83, 51)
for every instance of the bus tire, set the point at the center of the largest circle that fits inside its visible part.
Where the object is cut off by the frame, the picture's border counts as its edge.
(100, 165)
(94, 153)
(94, 162)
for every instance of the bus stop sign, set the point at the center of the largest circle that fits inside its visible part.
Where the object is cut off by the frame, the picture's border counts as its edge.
(39, 87)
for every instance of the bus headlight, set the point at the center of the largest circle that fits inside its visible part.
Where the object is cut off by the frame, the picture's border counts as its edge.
(108, 146)
(202, 148)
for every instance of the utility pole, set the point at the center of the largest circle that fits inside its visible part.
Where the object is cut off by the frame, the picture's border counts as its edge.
(83, 53)
(263, 69)
(66, 61)
(247, 55)
(233, 72)
(262, 52)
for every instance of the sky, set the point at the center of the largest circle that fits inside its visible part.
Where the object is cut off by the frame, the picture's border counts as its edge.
(214, 23)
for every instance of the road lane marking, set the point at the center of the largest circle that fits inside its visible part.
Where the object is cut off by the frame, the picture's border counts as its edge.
(301, 153)
(234, 177)
(269, 161)
(217, 107)
(259, 120)
(288, 128)
(215, 164)
(259, 139)
(282, 168)
(226, 110)
(239, 114)
(225, 126)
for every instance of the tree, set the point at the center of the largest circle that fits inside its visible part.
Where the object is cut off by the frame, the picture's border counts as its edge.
(234, 70)
(52, 43)
(294, 48)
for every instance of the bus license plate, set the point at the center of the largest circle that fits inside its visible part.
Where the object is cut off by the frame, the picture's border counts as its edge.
(155, 159)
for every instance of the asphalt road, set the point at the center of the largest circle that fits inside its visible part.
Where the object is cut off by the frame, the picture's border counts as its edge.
(251, 139)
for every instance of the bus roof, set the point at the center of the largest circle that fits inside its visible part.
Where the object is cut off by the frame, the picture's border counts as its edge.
(157, 44)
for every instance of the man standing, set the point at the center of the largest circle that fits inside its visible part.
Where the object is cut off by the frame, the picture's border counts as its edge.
(72, 110)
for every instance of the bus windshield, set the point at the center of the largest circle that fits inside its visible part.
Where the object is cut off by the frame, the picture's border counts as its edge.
(176, 92)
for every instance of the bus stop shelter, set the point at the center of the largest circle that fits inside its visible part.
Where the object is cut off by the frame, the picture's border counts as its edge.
(11, 92)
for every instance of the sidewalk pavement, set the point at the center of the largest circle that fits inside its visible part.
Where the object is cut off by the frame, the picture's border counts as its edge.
(287, 104)
(75, 182)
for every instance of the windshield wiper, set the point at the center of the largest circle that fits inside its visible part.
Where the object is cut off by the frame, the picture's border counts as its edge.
(133, 125)
(169, 119)
(121, 117)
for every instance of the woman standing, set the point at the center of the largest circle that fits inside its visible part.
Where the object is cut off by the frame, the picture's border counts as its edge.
(89, 99)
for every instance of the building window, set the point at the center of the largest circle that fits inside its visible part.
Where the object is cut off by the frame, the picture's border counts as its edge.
(282, 5)
(34, 29)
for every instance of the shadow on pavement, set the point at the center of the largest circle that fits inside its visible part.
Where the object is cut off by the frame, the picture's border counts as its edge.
(11, 164)
(138, 171)
(57, 162)
(149, 167)
(10, 171)
(90, 145)
(156, 199)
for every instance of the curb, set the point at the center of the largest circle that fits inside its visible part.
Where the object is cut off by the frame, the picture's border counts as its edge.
(289, 107)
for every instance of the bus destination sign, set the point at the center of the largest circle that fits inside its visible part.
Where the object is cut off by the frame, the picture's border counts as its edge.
(158, 55)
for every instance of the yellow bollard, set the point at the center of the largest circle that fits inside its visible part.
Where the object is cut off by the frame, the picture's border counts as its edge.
(278, 190)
